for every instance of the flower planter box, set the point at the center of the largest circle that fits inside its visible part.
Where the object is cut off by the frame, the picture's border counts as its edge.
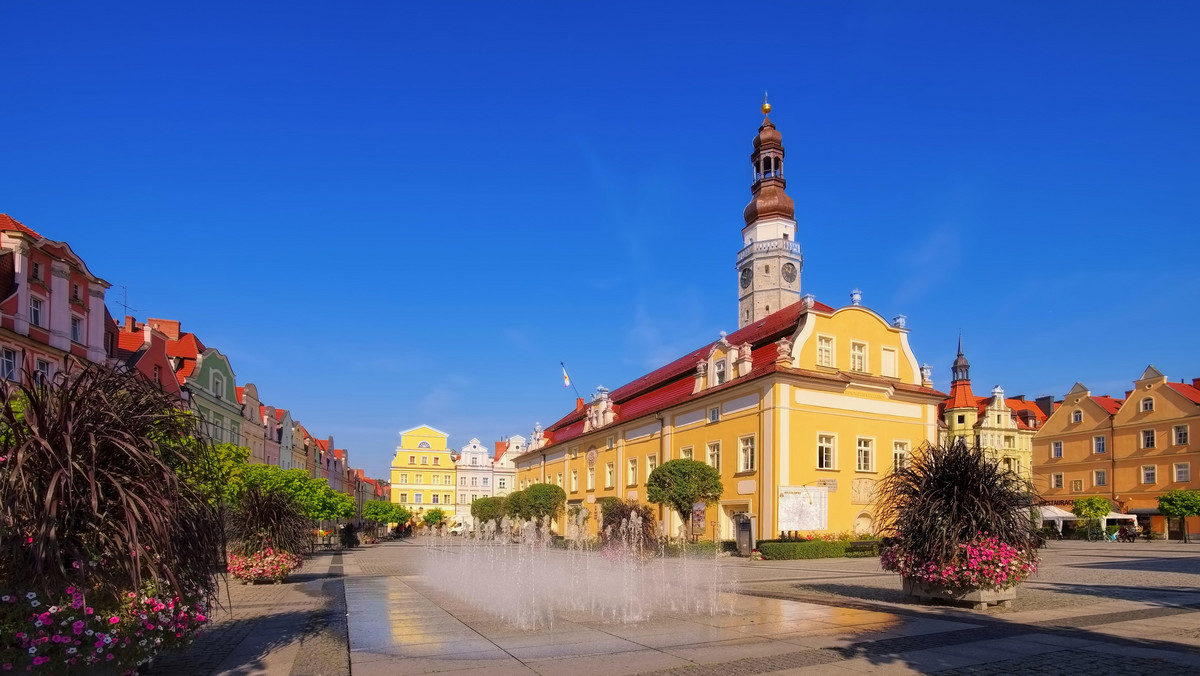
(979, 599)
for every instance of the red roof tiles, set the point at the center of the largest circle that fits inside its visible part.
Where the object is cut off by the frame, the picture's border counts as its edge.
(1109, 404)
(1186, 390)
(9, 223)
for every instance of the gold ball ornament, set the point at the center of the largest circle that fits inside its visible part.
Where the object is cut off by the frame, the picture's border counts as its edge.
(766, 108)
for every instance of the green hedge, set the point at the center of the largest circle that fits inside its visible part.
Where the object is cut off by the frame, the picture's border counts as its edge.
(817, 549)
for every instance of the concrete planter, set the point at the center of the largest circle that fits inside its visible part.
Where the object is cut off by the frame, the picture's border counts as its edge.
(979, 599)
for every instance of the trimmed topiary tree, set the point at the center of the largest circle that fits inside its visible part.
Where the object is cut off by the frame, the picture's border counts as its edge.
(1180, 504)
(516, 506)
(680, 484)
(1092, 509)
(488, 509)
(545, 502)
(434, 518)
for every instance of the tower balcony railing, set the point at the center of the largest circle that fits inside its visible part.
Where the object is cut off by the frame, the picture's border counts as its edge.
(786, 245)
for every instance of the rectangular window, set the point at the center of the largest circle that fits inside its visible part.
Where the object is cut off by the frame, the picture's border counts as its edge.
(75, 292)
(501, 483)
(424, 459)
(631, 474)
(1056, 449)
(651, 463)
(446, 479)
(826, 457)
(558, 480)
(462, 481)
(1149, 474)
(437, 479)
(218, 386)
(866, 456)
(686, 453)
(574, 480)
(437, 460)
(41, 371)
(37, 270)
(474, 481)
(1098, 445)
(445, 498)
(887, 362)
(900, 455)
(610, 441)
(1181, 435)
(417, 498)
(76, 330)
(714, 455)
(574, 452)
(610, 475)
(403, 478)
(1147, 438)
(591, 478)
(858, 357)
(35, 311)
(746, 454)
(420, 479)
(714, 414)
(435, 498)
(719, 371)
(404, 497)
(462, 497)
(8, 364)
(485, 482)
(1099, 478)
(1183, 472)
(412, 459)
(1056, 481)
(824, 351)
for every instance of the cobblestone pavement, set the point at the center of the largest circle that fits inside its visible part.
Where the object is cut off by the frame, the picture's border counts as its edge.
(298, 627)
(1094, 609)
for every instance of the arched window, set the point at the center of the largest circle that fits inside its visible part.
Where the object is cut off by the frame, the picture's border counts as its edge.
(1077, 416)
(423, 444)
(1147, 404)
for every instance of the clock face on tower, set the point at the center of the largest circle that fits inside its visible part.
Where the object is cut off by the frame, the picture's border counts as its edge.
(747, 276)
(789, 272)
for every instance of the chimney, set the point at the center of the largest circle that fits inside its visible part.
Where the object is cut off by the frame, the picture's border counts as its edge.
(1196, 383)
(169, 327)
(1127, 393)
(130, 325)
(1046, 404)
(579, 404)
(1018, 397)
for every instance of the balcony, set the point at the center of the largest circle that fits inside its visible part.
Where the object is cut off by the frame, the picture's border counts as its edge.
(780, 245)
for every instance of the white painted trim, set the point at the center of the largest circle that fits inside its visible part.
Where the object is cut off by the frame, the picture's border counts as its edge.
(846, 402)
(832, 350)
(806, 330)
(785, 429)
(912, 358)
(874, 454)
(836, 464)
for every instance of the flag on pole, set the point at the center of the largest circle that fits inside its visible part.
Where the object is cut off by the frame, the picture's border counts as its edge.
(566, 378)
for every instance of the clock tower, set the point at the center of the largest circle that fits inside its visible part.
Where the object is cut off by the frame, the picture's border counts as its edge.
(768, 266)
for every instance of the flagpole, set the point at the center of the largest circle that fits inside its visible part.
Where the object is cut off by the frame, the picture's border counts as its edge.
(564, 368)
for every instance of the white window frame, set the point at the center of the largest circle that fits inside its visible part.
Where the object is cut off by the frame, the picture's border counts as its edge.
(218, 385)
(1152, 475)
(720, 372)
(36, 306)
(747, 453)
(858, 451)
(10, 364)
(78, 330)
(574, 481)
(631, 472)
(651, 464)
(901, 451)
(1186, 472)
(1147, 405)
(1099, 444)
(1148, 438)
(591, 478)
(826, 356)
(1057, 480)
(858, 356)
(1180, 439)
(832, 446)
(1099, 477)
(1056, 449)
(714, 414)
(404, 478)
(713, 452)
(558, 480)
(687, 453)
(610, 475)
(1076, 416)
(41, 371)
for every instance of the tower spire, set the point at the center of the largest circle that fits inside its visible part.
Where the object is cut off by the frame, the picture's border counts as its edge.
(961, 369)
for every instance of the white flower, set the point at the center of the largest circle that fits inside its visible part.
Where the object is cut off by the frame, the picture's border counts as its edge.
(35, 603)
(32, 651)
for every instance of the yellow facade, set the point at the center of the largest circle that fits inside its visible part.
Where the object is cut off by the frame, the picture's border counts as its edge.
(822, 427)
(423, 474)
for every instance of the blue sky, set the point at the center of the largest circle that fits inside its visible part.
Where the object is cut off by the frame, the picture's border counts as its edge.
(392, 214)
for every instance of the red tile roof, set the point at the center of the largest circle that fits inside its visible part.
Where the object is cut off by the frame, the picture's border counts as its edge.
(131, 342)
(961, 395)
(185, 370)
(9, 223)
(323, 445)
(239, 390)
(1186, 390)
(1109, 404)
(188, 346)
(673, 384)
(279, 413)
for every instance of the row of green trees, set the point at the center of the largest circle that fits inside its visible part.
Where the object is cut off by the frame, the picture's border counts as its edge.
(1177, 504)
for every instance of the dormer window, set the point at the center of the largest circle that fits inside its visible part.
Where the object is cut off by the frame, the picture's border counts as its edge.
(1076, 416)
(719, 371)
(1147, 404)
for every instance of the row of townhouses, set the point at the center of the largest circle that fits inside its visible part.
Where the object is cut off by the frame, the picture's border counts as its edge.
(427, 473)
(53, 313)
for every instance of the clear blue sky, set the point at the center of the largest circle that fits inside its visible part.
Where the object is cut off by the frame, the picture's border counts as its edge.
(392, 214)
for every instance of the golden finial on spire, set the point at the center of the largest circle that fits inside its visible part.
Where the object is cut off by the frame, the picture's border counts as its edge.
(766, 107)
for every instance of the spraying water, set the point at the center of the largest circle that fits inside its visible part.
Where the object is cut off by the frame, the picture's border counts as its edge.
(511, 570)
